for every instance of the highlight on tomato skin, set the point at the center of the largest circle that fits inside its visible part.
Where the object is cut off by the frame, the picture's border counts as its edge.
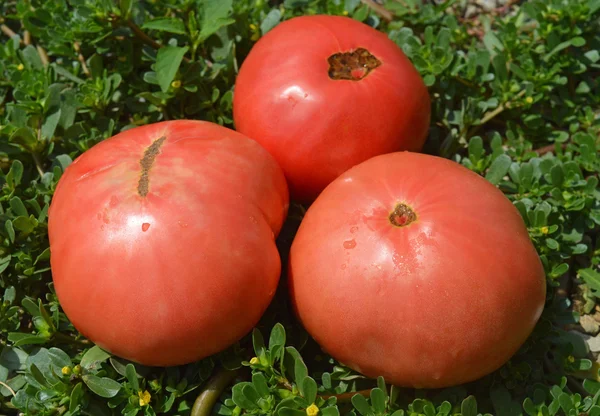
(424, 270)
(162, 240)
(324, 93)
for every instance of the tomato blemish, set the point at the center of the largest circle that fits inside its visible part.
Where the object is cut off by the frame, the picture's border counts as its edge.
(146, 163)
(402, 215)
(353, 65)
(349, 244)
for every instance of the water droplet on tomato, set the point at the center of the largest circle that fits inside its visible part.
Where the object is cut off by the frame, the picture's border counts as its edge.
(182, 224)
(353, 229)
(113, 201)
(145, 226)
(349, 244)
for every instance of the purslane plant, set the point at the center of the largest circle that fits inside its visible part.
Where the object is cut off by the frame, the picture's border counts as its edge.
(516, 98)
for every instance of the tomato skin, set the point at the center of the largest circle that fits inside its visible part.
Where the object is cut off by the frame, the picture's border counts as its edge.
(441, 301)
(317, 127)
(183, 272)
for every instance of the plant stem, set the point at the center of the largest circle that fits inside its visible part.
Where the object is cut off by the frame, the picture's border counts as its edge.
(38, 164)
(145, 38)
(341, 398)
(492, 114)
(7, 31)
(213, 389)
(65, 339)
(81, 59)
(141, 35)
(7, 387)
(382, 11)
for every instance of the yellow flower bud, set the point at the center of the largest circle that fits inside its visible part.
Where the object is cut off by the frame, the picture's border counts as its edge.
(144, 397)
(571, 359)
(66, 370)
(176, 84)
(345, 12)
(254, 360)
(21, 67)
(529, 100)
(312, 410)
(544, 230)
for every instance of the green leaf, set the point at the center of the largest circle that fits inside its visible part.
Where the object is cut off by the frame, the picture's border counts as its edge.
(166, 24)
(468, 406)
(18, 339)
(94, 357)
(50, 123)
(76, 397)
(361, 404)
(566, 403)
(529, 407)
(9, 294)
(132, 376)
(17, 206)
(10, 231)
(498, 169)
(557, 49)
(102, 386)
(216, 14)
(32, 57)
(258, 342)
(378, 400)
(168, 60)
(287, 411)
(38, 375)
(15, 174)
(240, 399)
(476, 150)
(125, 8)
(309, 389)
(591, 277)
(13, 358)
(260, 385)
(492, 43)
(330, 411)
(557, 175)
(300, 373)
(277, 336)
(503, 403)
(271, 20)
(59, 358)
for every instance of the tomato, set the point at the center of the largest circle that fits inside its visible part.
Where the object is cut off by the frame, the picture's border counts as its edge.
(414, 268)
(162, 240)
(323, 93)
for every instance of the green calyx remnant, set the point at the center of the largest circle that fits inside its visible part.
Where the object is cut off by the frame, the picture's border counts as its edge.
(353, 65)
(402, 215)
(146, 163)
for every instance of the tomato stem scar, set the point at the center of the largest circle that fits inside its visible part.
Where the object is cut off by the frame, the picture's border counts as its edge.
(146, 163)
(353, 65)
(402, 215)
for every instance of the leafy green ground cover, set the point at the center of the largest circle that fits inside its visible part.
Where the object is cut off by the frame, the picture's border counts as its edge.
(516, 98)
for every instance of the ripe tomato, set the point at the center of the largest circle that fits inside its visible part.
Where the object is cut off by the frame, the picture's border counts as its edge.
(162, 240)
(414, 268)
(323, 93)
